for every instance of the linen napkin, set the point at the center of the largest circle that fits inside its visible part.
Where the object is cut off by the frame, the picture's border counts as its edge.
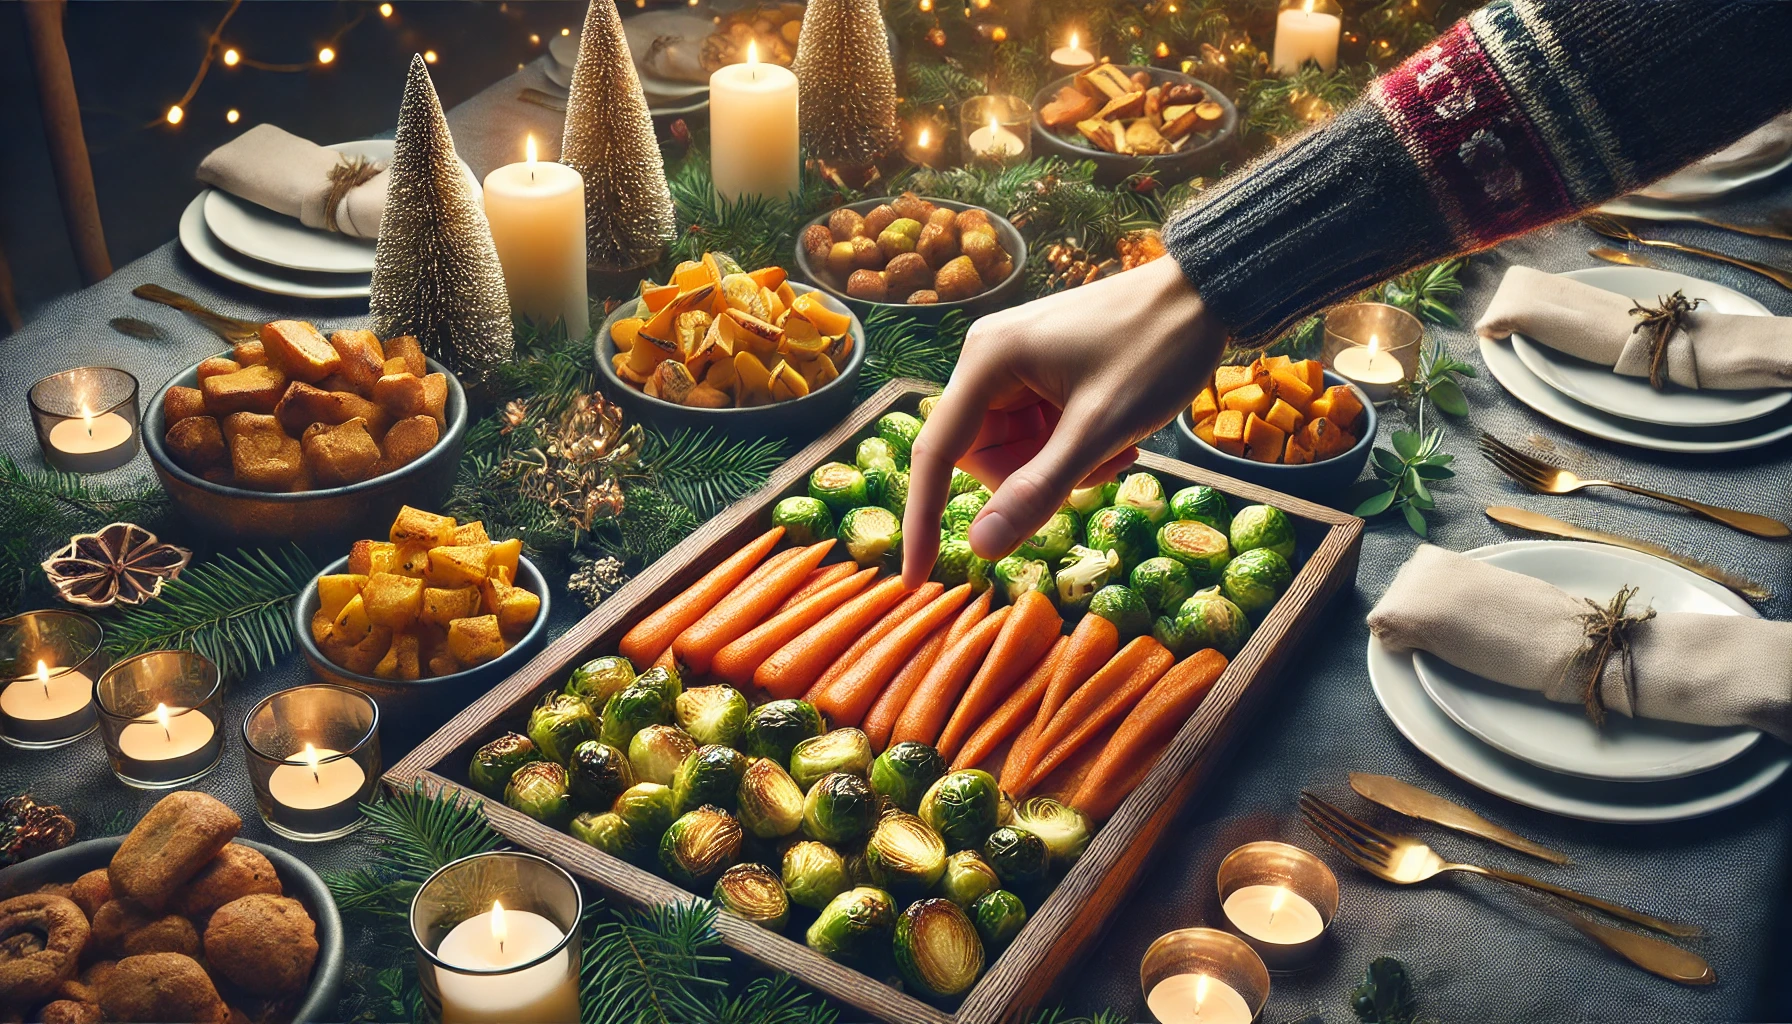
(1763, 145)
(274, 168)
(1720, 670)
(1723, 351)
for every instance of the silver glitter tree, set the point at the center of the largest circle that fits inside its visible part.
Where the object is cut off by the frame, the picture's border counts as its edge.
(435, 272)
(846, 87)
(609, 139)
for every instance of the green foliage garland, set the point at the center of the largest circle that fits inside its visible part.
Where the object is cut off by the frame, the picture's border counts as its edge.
(235, 611)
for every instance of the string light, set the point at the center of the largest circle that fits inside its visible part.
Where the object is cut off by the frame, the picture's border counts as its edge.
(1163, 49)
(232, 58)
(429, 56)
(175, 114)
(534, 39)
(998, 34)
(325, 55)
(926, 6)
(566, 31)
(233, 115)
(385, 10)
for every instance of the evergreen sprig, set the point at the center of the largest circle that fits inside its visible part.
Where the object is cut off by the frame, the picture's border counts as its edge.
(704, 470)
(550, 368)
(235, 611)
(656, 966)
(652, 523)
(758, 231)
(41, 509)
(901, 346)
(1269, 106)
(1428, 293)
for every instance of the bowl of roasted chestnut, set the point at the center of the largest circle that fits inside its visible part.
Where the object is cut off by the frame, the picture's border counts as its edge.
(1125, 117)
(925, 256)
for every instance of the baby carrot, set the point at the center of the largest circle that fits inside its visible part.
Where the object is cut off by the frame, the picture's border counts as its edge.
(819, 580)
(1015, 712)
(1032, 628)
(1108, 695)
(917, 599)
(1092, 643)
(938, 693)
(881, 719)
(1146, 731)
(793, 668)
(656, 632)
(737, 661)
(747, 605)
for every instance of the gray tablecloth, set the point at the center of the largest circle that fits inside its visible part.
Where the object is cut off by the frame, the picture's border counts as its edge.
(1477, 952)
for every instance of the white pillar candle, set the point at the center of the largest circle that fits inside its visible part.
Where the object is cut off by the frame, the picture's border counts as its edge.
(1071, 57)
(753, 129)
(994, 140)
(1197, 999)
(546, 993)
(1274, 914)
(1304, 34)
(1369, 368)
(537, 214)
(165, 734)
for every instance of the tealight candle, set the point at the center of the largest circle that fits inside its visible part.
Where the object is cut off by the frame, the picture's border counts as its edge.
(1203, 976)
(1373, 345)
(1279, 898)
(166, 734)
(160, 715)
(995, 127)
(86, 418)
(1071, 58)
(993, 140)
(537, 213)
(1370, 368)
(518, 960)
(1306, 30)
(1273, 913)
(924, 148)
(313, 758)
(1197, 999)
(753, 129)
(47, 659)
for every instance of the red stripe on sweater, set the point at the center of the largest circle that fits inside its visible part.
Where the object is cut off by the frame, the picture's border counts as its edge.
(1489, 168)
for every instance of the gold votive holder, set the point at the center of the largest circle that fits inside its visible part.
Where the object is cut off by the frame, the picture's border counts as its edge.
(86, 418)
(998, 127)
(314, 758)
(1203, 976)
(497, 937)
(48, 663)
(162, 717)
(1280, 899)
(1373, 345)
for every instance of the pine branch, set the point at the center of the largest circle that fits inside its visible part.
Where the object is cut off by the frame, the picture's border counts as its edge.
(420, 832)
(653, 966)
(484, 491)
(550, 368)
(235, 611)
(774, 1000)
(651, 524)
(758, 231)
(704, 470)
(41, 509)
(901, 346)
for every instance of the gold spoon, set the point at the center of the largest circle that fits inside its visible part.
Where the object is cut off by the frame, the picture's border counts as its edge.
(1613, 229)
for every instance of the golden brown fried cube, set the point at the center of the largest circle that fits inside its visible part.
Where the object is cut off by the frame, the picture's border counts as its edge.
(196, 444)
(415, 528)
(400, 394)
(250, 389)
(442, 606)
(412, 562)
(352, 624)
(506, 553)
(402, 660)
(442, 663)
(435, 398)
(515, 607)
(262, 455)
(181, 402)
(367, 557)
(471, 533)
(393, 600)
(216, 366)
(335, 591)
(250, 353)
(475, 640)
(408, 439)
(303, 405)
(360, 656)
(341, 453)
(296, 347)
(321, 626)
(363, 360)
(458, 565)
(406, 348)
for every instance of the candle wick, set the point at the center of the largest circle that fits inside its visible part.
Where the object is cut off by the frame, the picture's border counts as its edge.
(319, 781)
(167, 735)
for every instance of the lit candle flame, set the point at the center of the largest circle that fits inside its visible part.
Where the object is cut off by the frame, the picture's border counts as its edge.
(1201, 982)
(500, 930)
(162, 720)
(995, 128)
(529, 148)
(922, 140)
(1073, 40)
(1374, 346)
(753, 58)
(43, 676)
(1275, 903)
(311, 759)
(87, 418)
(1308, 7)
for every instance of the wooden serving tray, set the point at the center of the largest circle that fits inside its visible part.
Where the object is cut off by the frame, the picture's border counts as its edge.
(1060, 928)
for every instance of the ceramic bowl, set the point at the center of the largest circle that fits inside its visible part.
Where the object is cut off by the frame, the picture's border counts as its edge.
(1201, 153)
(1323, 482)
(1003, 293)
(300, 882)
(804, 417)
(321, 520)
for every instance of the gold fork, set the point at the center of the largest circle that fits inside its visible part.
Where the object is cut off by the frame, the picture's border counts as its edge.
(1405, 861)
(1611, 227)
(1546, 478)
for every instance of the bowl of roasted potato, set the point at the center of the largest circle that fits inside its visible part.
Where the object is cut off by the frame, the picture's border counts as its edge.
(1291, 425)
(298, 437)
(1125, 117)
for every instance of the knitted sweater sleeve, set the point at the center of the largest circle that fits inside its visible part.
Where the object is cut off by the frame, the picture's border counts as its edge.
(1523, 113)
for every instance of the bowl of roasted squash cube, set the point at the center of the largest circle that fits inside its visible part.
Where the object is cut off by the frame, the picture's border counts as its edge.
(742, 351)
(1123, 116)
(1284, 423)
(927, 256)
(295, 436)
(436, 604)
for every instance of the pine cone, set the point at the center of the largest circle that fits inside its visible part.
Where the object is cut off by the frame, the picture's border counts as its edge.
(28, 828)
(594, 581)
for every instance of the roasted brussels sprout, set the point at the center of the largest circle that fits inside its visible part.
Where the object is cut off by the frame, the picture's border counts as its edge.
(1205, 620)
(754, 892)
(903, 855)
(957, 563)
(713, 714)
(1145, 493)
(1015, 575)
(656, 752)
(1200, 547)
(560, 723)
(937, 950)
(962, 511)
(902, 773)
(899, 430)
(776, 727)
(1055, 539)
(854, 926)
(1020, 858)
(841, 750)
(630, 710)
(877, 475)
(962, 807)
(874, 450)
(805, 520)
(771, 803)
(838, 486)
(666, 683)
(895, 493)
(1255, 580)
(493, 763)
(595, 681)
(871, 533)
(597, 775)
(710, 774)
(1086, 500)
(1203, 504)
(1263, 526)
(839, 808)
(1125, 609)
(1123, 530)
(607, 831)
(1082, 573)
(999, 916)
(1164, 583)
(961, 483)
(699, 845)
(649, 808)
(967, 877)
(538, 789)
(814, 873)
(1065, 830)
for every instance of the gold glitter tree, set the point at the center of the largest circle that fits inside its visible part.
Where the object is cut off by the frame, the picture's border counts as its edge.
(435, 272)
(846, 87)
(609, 139)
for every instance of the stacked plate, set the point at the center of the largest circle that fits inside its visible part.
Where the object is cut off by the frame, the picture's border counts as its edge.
(666, 97)
(1592, 399)
(1755, 157)
(1542, 754)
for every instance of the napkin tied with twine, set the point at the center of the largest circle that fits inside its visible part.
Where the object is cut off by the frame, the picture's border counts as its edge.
(321, 187)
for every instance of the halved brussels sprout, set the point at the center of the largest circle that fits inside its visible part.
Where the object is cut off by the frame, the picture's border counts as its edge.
(776, 727)
(710, 774)
(854, 926)
(560, 723)
(1203, 504)
(1065, 830)
(858, 871)
(1200, 547)
(841, 750)
(1255, 580)
(699, 845)
(962, 807)
(1164, 583)
(1123, 530)
(595, 681)
(902, 773)
(771, 803)
(1205, 620)
(1082, 573)
(871, 533)
(961, 483)
(967, 877)
(597, 775)
(1125, 609)
(656, 752)
(632, 709)
(937, 949)
(872, 451)
(927, 406)
(839, 808)
(957, 563)
(1086, 500)
(539, 789)
(903, 855)
(805, 520)
(899, 430)
(895, 493)
(814, 873)
(649, 808)
(838, 486)
(1055, 539)
(607, 831)
(999, 916)
(713, 714)
(1145, 493)
(495, 762)
(1020, 858)
(962, 511)
(1263, 526)
(1015, 575)
(754, 892)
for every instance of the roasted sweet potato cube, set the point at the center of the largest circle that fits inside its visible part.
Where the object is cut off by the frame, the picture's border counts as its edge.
(1313, 372)
(516, 610)
(1125, 105)
(1324, 439)
(196, 444)
(1206, 404)
(415, 528)
(506, 553)
(407, 440)
(1290, 385)
(334, 591)
(1204, 428)
(1338, 404)
(400, 394)
(298, 350)
(341, 453)
(470, 533)
(475, 640)
(1283, 417)
(406, 348)
(392, 600)
(321, 625)
(263, 456)
(1068, 107)
(435, 397)
(1250, 399)
(363, 360)
(359, 656)
(180, 402)
(250, 389)
(1271, 363)
(352, 624)
(1228, 432)
(1263, 441)
(367, 557)
(412, 562)
(1296, 452)
(303, 405)
(459, 565)
(216, 366)
(403, 659)
(443, 605)
(1230, 378)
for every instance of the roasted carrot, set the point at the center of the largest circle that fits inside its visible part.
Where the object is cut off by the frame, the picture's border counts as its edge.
(1146, 731)
(938, 693)
(848, 696)
(1092, 643)
(747, 605)
(1105, 698)
(917, 599)
(793, 668)
(737, 661)
(1015, 712)
(880, 721)
(1032, 628)
(656, 632)
(819, 580)
(668, 660)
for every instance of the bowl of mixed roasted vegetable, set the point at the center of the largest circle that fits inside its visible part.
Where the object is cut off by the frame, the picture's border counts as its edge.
(896, 777)
(1125, 117)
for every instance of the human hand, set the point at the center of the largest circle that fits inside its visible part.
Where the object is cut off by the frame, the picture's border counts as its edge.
(1052, 395)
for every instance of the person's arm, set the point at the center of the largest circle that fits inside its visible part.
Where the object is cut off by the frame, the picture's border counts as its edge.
(1526, 112)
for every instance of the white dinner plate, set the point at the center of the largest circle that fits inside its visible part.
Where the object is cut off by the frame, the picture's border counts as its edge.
(1557, 736)
(214, 256)
(1694, 184)
(664, 95)
(1632, 398)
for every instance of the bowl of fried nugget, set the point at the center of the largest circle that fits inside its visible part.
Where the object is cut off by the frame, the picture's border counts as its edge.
(178, 921)
(297, 436)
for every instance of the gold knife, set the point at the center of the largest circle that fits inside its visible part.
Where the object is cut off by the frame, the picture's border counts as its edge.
(1537, 522)
(1414, 802)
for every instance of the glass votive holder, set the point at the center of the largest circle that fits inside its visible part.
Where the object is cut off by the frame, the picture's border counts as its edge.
(86, 418)
(497, 940)
(314, 758)
(1203, 976)
(48, 663)
(162, 716)
(1280, 899)
(1373, 345)
(925, 144)
(998, 127)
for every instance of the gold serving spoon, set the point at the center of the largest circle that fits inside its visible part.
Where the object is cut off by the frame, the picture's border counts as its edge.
(1612, 228)
(227, 327)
